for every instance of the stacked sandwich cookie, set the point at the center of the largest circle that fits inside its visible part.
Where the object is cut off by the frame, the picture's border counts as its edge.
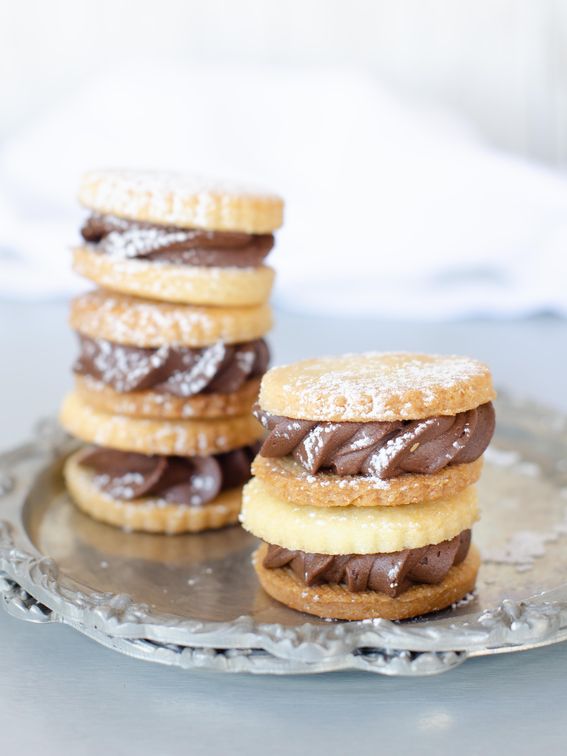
(165, 380)
(209, 240)
(364, 489)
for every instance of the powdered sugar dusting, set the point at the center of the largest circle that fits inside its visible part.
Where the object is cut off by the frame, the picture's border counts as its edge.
(127, 320)
(181, 200)
(381, 459)
(146, 182)
(314, 442)
(523, 547)
(380, 386)
(137, 242)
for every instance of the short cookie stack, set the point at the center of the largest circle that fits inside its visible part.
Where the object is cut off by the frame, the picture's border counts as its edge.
(171, 349)
(364, 486)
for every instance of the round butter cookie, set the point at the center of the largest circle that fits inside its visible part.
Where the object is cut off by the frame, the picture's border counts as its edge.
(377, 386)
(150, 515)
(139, 322)
(185, 201)
(163, 406)
(288, 480)
(354, 530)
(150, 436)
(337, 602)
(186, 284)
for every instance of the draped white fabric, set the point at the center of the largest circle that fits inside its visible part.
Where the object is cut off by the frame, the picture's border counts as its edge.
(392, 210)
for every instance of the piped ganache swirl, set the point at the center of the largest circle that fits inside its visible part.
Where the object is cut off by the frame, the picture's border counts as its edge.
(191, 481)
(391, 574)
(380, 449)
(220, 368)
(126, 239)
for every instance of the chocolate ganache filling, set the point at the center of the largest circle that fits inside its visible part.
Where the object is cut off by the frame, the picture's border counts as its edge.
(391, 574)
(181, 371)
(192, 481)
(128, 239)
(380, 449)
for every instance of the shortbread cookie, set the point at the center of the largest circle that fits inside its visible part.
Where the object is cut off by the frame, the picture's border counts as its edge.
(376, 387)
(149, 436)
(183, 201)
(142, 323)
(354, 530)
(164, 406)
(337, 602)
(152, 515)
(186, 284)
(288, 480)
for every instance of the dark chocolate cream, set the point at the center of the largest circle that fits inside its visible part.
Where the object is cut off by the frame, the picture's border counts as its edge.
(380, 449)
(181, 371)
(128, 239)
(391, 574)
(192, 481)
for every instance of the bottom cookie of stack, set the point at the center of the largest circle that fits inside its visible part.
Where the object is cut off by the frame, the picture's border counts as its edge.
(361, 563)
(183, 476)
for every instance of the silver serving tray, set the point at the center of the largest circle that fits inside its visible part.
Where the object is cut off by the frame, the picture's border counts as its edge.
(193, 601)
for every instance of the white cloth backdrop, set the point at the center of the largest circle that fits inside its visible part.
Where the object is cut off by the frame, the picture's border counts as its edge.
(392, 210)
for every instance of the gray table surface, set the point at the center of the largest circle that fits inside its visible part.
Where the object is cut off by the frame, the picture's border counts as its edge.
(61, 693)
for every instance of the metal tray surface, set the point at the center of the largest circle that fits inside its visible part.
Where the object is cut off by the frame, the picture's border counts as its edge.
(193, 600)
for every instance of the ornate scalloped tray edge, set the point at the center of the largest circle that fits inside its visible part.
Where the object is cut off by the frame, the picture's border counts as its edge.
(521, 601)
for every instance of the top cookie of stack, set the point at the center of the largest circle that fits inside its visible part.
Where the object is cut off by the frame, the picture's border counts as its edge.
(175, 238)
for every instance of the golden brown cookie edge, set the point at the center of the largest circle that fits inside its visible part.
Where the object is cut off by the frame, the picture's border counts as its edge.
(155, 405)
(144, 196)
(150, 436)
(182, 284)
(133, 321)
(288, 480)
(286, 391)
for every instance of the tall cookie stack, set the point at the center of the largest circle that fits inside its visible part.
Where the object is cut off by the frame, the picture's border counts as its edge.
(171, 349)
(364, 486)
